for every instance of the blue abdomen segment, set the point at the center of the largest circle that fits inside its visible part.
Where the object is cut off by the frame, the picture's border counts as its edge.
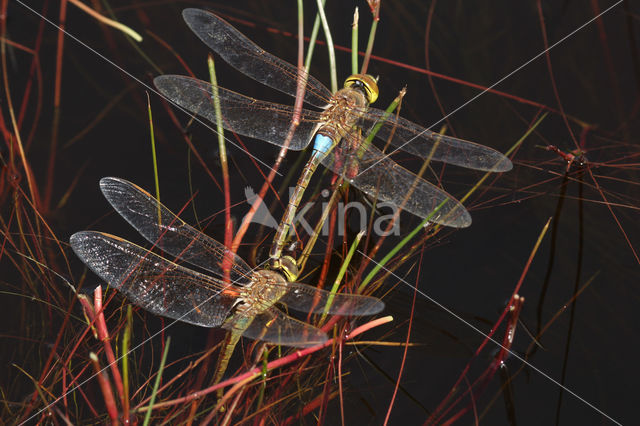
(322, 143)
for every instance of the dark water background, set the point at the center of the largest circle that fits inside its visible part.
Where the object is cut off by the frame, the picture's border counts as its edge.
(471, 271)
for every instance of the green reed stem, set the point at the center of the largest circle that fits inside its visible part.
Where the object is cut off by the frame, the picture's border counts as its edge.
(513, 148)
(387, 113)
(343, 270)
(312, 38)
(126, 344)
(156, 384)
(153, 149)
(354, 42)
(302, 261)
(372, 37)
(397, 248)
(265, 371)
(223, 151)
(330, 47)
(153, 155)
(405, 240)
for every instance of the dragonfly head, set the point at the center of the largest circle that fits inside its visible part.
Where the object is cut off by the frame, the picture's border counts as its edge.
(288, 267)
(365, 83)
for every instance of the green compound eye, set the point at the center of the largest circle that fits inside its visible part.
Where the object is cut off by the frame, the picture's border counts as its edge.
(364, 82)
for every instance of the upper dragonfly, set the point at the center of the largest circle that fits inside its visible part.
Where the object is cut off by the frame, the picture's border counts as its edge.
(246, 306)
(343, 122)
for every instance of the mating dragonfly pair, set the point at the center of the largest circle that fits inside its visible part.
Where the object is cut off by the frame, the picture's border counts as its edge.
(246, 305)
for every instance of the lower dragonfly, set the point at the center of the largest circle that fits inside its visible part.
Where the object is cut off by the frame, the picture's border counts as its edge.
(246, 306)
(339, 129)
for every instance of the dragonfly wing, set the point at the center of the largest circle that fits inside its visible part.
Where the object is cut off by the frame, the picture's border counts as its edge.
(154, 283)
(251, 60)
(305, 298)
(380, 177)
(247, 116)
(168, 232)
(275, 327)
(419, 141)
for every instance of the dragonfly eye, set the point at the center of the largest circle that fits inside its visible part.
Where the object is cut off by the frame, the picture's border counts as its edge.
(364, 82)
(289, 268)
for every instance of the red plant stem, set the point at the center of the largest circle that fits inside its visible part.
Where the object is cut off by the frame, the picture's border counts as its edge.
(189, 143)
(427, 60)
(329, 248)
(257, 371)
(200, 377)
(487, 375)
(324, 396)
(35, 67)
(65, 402)
(287, 378)
(606, 201)
(372, 254)
(62, 17)
(543, 30)
(606, 51)
(456, 416)
(224, 165)
(6, 134)
(300, 89)
(406, 342)
(105, 387)
(432, 73)
(65, 372)
(603, 39)
(33, 190)
(89, 401)
(45, 370)
(308, 408)
(509, 336)
(173, 52)
(340, 382)
(488, 337)
(374, 8)
(467, 84)
(103, 334)
(56, 106)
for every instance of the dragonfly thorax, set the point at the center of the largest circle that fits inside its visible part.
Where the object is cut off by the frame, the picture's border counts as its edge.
(264, 290)
(345, 108)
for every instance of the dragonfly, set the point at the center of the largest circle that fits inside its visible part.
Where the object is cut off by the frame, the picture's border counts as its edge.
(338, 129)
(245, 306)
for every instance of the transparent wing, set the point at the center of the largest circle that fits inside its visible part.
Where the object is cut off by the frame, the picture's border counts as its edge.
(154, 283)
(168, 232)
(274, 326)
(247, 116)
(253, 61)
(419, 141)
(248, 58)
(379, 176)
(304, 298)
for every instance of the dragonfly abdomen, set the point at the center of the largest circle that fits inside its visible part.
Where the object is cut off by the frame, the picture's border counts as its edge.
(344, 110)
(295, 198)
